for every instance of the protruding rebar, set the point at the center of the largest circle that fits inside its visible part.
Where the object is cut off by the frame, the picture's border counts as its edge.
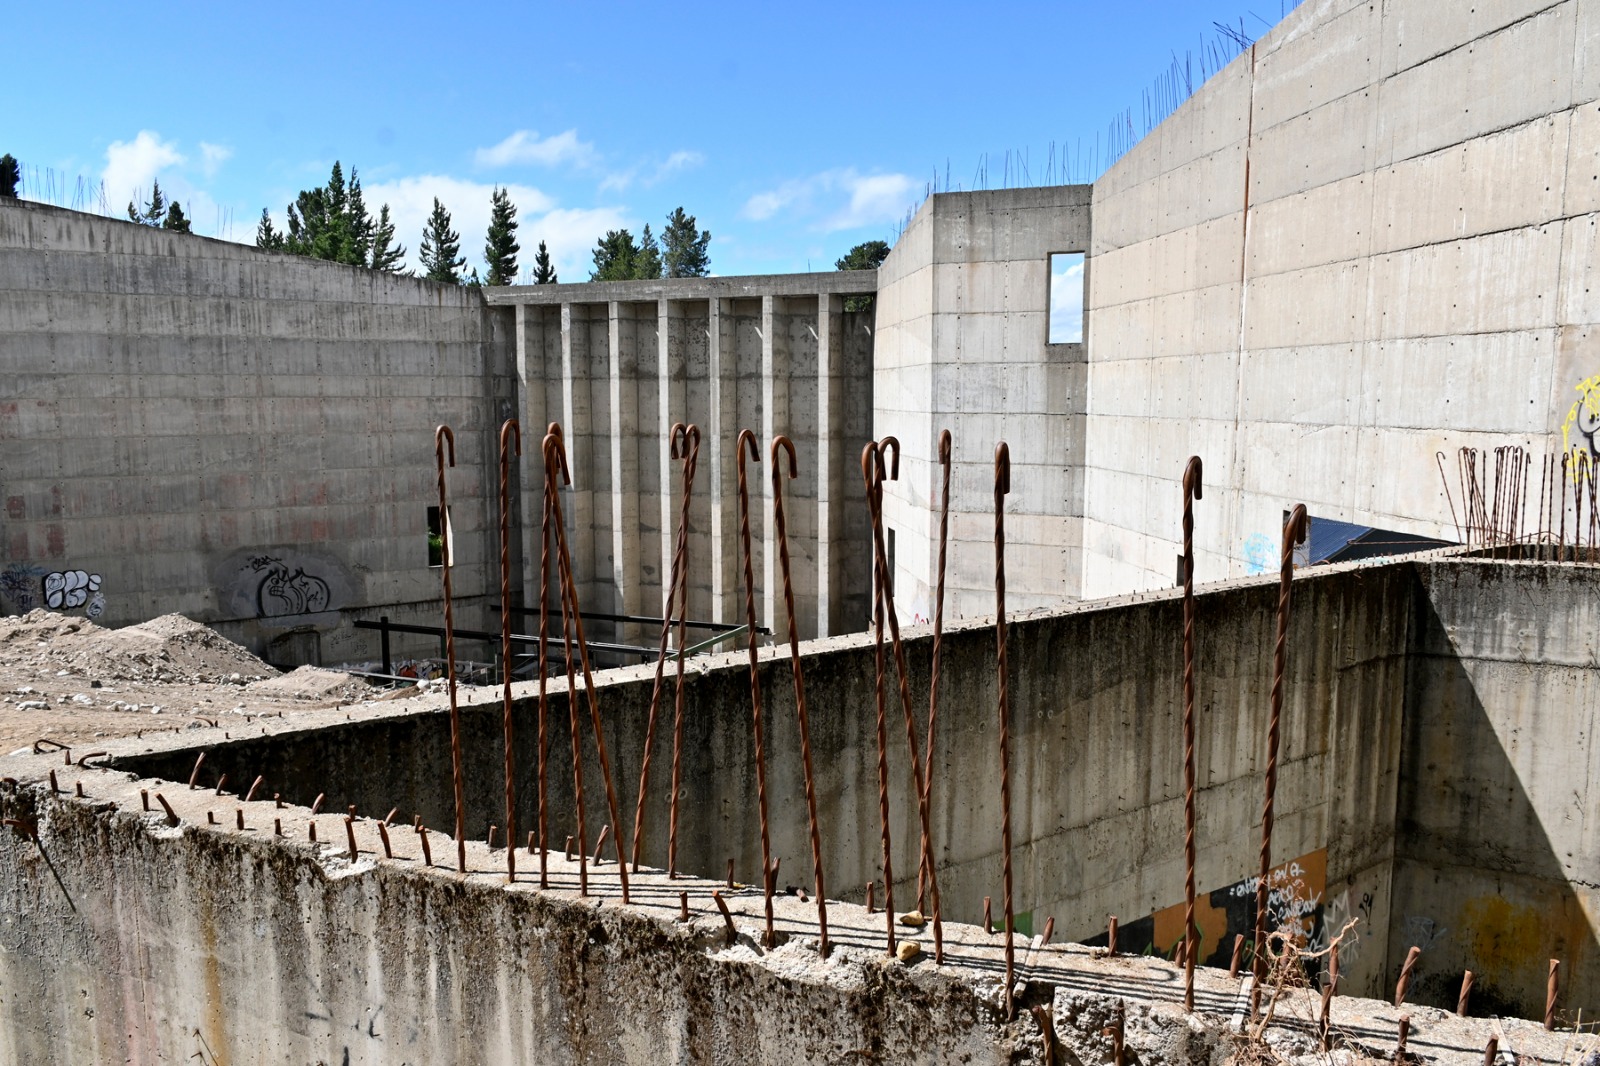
(1466, 994)
(1294, 532)
(194, 775)
(1002, 486)
(511, 428)
(172, 818)
(256, 784)
(1192, 490)
(564, 558)
(445, 439)
(747, 446)
(784, 444)
(555, 460)
(691, 442)
(1238, 955)
(926, 874)
(1552, 991)
(933, 674)
(674, 608)
(727, 917)
(1409, 967)
(869, 463)
(1111, 935)
(544, 660)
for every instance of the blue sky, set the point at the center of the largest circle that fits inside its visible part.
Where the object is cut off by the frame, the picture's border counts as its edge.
(791, 132)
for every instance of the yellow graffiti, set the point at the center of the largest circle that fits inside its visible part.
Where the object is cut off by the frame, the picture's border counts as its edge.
(1580, 430)
(1505, 938)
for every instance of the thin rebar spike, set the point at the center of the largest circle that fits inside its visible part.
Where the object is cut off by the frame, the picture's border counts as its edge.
(544, 670)
(668, 607)
(781, 529)
(691, 439)
(511, 428)
(443, 436)
(555, 460)
(1294, 532)
(747, 446)
(880, 472)
(1002, 486)
(1192, 490)
(564, 558)
(1439, 460)
(869, 464)
(933, 678)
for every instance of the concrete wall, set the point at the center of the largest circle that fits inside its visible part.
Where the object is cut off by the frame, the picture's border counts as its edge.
(243, 437)
(1496, 862)
(617, 363)
(962, 330)
(1368, 239)
(1096, 775)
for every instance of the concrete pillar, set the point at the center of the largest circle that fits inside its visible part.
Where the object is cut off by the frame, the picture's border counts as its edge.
(774, 420)
(623, 446)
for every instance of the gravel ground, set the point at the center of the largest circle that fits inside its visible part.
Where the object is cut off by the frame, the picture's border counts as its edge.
(67, 680)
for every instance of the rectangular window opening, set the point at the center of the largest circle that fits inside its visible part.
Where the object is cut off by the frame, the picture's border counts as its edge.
(436, 539)
(1066, 298)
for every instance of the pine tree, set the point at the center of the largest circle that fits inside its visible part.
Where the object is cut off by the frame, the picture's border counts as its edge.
(684, 247)
(268, 238)
(10, 176)
(501, 248)
(647, 261)
(175, 219)
(331, 222)
(441, 248)
(613, 257)
(386, 254)
(355, 230)
(153, 213)
(868, 255)
(544, 271)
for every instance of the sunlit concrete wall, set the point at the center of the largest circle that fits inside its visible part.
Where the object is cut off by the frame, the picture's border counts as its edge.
(618, 363)
(1368, 239)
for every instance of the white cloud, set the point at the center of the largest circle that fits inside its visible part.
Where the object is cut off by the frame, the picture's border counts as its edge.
(1066, 299)
(569, 233)
(212, 156)
(132, 166)
(679, 160)
(844, 198)
(525, 146)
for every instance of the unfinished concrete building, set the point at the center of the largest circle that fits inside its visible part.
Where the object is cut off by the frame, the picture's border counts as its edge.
(1367, 241)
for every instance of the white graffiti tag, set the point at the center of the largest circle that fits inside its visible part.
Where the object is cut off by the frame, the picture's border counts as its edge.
(69, 588)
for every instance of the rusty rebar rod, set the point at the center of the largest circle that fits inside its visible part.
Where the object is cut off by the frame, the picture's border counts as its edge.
(544, 665)
(510, 428)
(565, 560)
(668, 608)
(933, 676)
(1552, 992)
(747, 446)
(780, 527)
(555, 459)
(1409, 967)
(691, 441)
(1294, 532)
(443, 436)
(925, 871)
(1002, 486)
(1192, 490)
(870, 459)
(1466, 994)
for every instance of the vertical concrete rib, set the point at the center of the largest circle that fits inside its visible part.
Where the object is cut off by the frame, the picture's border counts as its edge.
(665, 467)
(826, 461)
(720, 432)
(771, 425)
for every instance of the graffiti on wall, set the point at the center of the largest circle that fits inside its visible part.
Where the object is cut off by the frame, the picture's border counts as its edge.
(1580, 430)
(284, 590)
(1260, 554)
(28, 586)
(1295, 893)
(21, 584)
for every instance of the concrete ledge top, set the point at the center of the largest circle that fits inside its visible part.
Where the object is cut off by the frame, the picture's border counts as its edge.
(831, 283)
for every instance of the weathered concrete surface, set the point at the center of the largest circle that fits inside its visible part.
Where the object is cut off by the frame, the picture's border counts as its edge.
(1368, 239)
(962, 329)
(1097, 770)
(122, 939)
(618, 363)
(242, 437)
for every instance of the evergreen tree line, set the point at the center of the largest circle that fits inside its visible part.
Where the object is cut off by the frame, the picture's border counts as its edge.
(681, 252)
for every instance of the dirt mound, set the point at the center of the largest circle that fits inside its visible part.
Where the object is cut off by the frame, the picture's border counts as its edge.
(170, 648)
(314, 683)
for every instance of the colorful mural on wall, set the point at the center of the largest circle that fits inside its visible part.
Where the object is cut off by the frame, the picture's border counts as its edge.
(1580, 430)
(1295, 893)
